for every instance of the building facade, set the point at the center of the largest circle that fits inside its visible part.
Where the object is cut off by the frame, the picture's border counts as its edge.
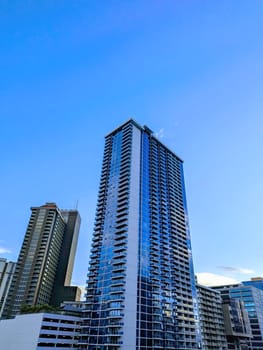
(7, 269)
(141, 291)
(256, 282)
(62, 289)
(237, 325)
(252, 298)
(45, 259)
(211, 319)
(40, 331)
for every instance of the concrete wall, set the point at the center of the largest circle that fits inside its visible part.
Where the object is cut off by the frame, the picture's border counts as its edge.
(20, 333)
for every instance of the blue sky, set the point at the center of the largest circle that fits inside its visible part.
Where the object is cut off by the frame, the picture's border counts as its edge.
(71, 71)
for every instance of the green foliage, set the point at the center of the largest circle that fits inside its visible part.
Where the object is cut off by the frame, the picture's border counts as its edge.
(30, 309)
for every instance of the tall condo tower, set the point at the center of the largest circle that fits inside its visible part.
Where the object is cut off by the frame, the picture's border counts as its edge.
(141, 290)
(45, 261)
(62, 289)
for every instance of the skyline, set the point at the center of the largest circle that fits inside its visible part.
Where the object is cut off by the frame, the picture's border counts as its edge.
(193, 75)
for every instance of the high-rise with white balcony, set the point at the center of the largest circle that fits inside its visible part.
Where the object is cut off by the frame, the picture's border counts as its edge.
(141, 291)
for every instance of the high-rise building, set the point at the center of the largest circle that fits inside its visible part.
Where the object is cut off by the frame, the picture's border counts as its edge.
(45, 260)
(62, 290)
(141, 291)
(7, 269)
(211, 319)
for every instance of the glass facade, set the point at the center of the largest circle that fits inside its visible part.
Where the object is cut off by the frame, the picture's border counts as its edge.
(253, 302)
(252, 299)
(141, 290)
(256, 282)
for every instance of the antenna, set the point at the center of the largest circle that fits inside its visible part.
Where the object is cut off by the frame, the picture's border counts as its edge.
(77, 204)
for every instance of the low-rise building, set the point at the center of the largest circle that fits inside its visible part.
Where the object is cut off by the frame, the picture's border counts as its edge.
(40, 331)
(237, 326)
(252, 299)
(256, 282)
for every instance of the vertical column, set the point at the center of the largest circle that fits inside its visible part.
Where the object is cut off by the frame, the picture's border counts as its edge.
(129, 328)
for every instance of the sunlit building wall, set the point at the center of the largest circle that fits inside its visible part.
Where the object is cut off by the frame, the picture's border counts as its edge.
(45, 260)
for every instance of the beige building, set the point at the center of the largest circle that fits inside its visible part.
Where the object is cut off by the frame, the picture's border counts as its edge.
(45, 263)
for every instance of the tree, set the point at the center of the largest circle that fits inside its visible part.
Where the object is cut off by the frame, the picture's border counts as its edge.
(31, 309)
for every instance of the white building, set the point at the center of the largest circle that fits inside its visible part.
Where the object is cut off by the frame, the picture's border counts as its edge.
(39, 331)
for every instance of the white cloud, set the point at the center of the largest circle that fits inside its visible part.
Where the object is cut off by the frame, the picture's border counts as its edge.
(4, 250)
(237, 269)
(83, 291)
(160, 133)
(247, 271)
(212, 279)
(82, 288)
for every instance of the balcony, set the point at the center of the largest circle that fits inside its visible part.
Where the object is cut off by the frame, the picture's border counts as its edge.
(118, 275)
(117, 289)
